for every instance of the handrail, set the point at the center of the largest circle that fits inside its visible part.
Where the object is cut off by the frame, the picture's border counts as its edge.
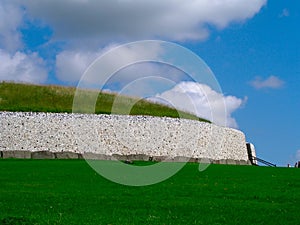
(263, 161)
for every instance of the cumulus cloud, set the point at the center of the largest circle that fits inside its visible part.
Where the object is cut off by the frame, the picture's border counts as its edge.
(71, 64)
(203, 101)
(22, 67)
(11, 16)
(86, 25)
(135, 19)
(16, 65)
(272, 82)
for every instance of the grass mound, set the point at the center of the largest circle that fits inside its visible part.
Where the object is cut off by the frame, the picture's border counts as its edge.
(36, 98)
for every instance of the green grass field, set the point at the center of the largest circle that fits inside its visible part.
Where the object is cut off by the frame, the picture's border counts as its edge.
(70, 192)
(36, 98)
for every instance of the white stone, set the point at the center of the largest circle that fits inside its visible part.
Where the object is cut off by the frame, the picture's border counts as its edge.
(119, 134)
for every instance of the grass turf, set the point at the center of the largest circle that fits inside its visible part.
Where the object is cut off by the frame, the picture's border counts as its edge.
(70, 192)
(37, 98)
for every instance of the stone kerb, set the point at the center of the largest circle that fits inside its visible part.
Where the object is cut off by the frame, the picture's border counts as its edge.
(16, 154)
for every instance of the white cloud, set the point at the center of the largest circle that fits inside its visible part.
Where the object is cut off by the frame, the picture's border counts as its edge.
(21, 67)
(102, 21)
(270, 82)
(71, 64)
(11, 16)
(203, 101)
(86, 25)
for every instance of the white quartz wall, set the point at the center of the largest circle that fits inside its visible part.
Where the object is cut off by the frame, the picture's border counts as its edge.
(123, 135)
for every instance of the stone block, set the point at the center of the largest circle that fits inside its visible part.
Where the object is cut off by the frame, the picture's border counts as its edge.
(193, 160)
(16, 154)
(181, 159)
(94, 156)
(138, 157)
(223, 161)
(165, 159)
(230, 162)
(204, 161)
(215, 161)
(161, 158)
(42, 155)
(242, 162)
(120, 157)
(66, 155)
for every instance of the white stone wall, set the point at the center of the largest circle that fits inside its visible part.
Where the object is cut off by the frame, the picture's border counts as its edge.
(123, 135)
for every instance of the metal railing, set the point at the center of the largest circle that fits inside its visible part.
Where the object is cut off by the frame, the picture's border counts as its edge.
(262, 161)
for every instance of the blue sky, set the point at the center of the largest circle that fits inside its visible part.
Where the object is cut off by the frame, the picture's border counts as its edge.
(252, 47)
(266, 45)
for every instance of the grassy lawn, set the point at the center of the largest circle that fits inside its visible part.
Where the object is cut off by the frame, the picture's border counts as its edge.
(70, 192)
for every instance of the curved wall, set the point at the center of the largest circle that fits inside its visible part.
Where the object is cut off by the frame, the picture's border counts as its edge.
(121, 135)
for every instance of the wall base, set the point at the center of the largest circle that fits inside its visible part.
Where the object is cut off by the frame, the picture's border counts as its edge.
(92, 156)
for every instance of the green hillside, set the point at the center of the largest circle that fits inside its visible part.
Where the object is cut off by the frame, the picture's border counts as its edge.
(38, 98)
